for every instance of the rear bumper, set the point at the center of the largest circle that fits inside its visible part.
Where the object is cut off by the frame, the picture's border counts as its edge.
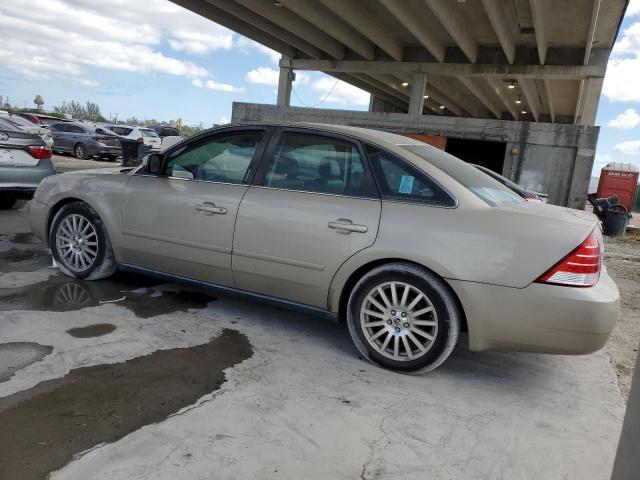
(25, 179)
(539, 318)
(103, 150)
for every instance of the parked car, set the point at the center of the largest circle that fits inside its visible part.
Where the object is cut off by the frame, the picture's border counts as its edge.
(148, 136)
(528, 195)
(25, 159)
(41, 119)
(85, 140)
(407, 243)
(43, 131)
(166, 131)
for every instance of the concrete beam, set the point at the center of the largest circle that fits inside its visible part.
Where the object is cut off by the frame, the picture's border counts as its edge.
(560, 72)
(367, 25)
(416, 96)
(530, 92)
(477, 91)
(444, 12)
(224, 18)
(587, 107)
(538, 25)
(549, 94)
(291, 22)
(503, 26)
(412, 22)
(449, 88)
(366, 85)
(595, 12)
(497, 87)
(333, 25)
(285, 82)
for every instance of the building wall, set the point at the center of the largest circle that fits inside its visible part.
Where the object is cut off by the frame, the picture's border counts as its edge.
(555, 159)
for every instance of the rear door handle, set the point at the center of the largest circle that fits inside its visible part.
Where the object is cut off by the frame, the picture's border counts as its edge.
(346, 226)
(209, 208)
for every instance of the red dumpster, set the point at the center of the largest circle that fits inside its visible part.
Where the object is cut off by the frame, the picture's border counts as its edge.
(619, 179)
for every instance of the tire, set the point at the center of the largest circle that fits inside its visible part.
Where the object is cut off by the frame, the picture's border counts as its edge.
(80, 151)
(436, 314)
(112, 158)
(87, 255)
(7, 200)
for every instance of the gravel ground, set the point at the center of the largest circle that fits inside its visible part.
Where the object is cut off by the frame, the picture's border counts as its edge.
(622, 257)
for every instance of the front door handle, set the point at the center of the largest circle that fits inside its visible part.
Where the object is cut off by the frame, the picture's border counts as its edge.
(209, 208)
(346, 226)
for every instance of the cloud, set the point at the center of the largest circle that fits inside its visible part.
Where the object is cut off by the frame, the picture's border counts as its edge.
(114, 35)
(631, 147)
(601, 160)
(220, 87)
(624, 67)
(269, 76)
(223, 120)
(337, 91)
(626, 120)
(633, 8)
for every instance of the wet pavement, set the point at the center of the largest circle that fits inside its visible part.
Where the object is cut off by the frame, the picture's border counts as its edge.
(134, 378)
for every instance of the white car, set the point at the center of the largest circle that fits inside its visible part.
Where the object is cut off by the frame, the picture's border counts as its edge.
(142, 134)
(43, 131)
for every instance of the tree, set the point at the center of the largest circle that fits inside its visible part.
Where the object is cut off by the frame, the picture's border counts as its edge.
(89, 112)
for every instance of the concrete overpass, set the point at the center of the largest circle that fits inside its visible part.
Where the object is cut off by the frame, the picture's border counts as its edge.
(527, 68)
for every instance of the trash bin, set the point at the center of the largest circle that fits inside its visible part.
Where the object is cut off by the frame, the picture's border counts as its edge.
(130, 152)
(617, 220)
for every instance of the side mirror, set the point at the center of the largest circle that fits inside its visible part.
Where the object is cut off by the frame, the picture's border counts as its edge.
(154, 163)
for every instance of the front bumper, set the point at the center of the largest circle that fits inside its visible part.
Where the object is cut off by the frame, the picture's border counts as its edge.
(38, 214)
(25, 179)
(539, 318)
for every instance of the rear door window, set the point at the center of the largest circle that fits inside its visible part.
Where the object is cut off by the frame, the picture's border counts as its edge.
(400, 181)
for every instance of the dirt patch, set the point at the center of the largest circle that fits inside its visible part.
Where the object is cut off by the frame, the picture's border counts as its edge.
(90, 331)
(15, 356)
(622, 258)
(103, 403)
(144, 296)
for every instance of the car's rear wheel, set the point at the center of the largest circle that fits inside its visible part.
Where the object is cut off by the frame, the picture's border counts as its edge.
(80, 244)
(7, 200)
(403, 317)
(80, 151)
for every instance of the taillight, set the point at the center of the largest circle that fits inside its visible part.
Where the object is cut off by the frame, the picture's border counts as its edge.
(99, 138)
(581, 268)
(39, 152)
(140, 139)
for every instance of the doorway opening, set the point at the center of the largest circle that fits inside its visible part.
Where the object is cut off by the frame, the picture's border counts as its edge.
(488, 154)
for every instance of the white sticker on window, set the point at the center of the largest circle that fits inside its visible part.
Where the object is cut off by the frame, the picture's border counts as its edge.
(406, 184)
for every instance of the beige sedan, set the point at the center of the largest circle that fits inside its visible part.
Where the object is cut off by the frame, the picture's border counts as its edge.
(406, 243)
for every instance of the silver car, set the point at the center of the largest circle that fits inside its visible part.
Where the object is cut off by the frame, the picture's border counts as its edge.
(404, 242)
(25, 159)
(85, 140)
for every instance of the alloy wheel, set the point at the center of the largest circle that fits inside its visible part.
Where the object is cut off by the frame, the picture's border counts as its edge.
(399, 321)
(77, 242)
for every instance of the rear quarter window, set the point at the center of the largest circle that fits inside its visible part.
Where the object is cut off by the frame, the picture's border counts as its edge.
(482, 185)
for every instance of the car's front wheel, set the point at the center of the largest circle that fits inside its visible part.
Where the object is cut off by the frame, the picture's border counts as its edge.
(403, 317)
(80, 244)
(80, 151)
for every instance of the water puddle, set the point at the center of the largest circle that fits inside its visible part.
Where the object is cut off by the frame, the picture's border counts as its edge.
(90, 331)
(140, 294)
(43, 427)
(15, 356)
(18, 260)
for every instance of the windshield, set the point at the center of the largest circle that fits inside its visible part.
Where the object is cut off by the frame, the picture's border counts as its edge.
(147, 132)
(485, 187)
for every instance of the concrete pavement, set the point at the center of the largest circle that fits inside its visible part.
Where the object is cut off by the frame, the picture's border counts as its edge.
(297, 402)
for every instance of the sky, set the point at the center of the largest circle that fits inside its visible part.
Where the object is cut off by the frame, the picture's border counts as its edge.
(154, 59)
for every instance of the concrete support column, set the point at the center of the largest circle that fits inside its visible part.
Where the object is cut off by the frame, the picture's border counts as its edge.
(287, 76)
(416, 97)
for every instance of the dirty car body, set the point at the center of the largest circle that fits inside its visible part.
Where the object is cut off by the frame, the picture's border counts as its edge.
(406, 243)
